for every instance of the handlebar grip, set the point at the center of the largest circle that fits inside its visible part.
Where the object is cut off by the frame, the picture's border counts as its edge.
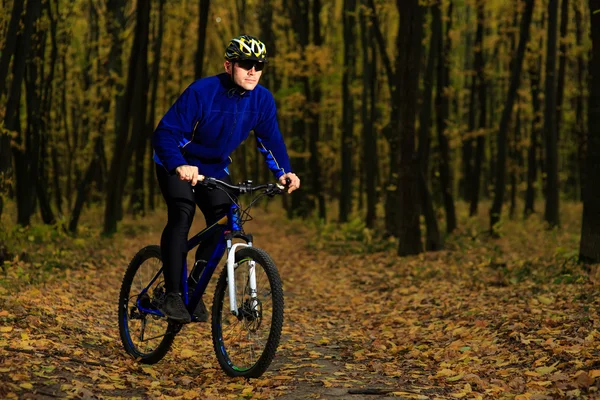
(288, 181)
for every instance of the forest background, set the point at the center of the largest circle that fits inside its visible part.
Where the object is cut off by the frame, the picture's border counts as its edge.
(390, 111)
(448, 152)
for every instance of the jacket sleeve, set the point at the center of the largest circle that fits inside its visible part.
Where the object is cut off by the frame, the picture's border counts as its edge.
(270, 141)
(168, 137)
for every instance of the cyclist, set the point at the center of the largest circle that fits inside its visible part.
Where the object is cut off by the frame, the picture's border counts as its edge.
(208, 121)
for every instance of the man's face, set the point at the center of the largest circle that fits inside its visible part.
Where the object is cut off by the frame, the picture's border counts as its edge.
(245, 73)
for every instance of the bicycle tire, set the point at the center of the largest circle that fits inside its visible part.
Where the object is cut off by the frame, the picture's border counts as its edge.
(129, 312)
(222, 320)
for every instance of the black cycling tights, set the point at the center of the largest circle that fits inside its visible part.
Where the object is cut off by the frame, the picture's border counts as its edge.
(181, 204)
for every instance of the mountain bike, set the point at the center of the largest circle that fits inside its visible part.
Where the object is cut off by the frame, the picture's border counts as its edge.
(247, 308)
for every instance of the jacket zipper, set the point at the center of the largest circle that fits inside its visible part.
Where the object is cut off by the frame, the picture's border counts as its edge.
(193, 134)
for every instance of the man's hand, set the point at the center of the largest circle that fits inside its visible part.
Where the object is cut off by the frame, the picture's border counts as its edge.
(294, 181)
(188, 173)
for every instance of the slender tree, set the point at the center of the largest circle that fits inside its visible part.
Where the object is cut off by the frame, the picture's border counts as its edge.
(515, 80)
(580, 130)
(6, 54)
(433, 240)
(535, 72)
(349, 22)
(154, 80)
(135, 93)
(442, 106)
(550, 131)
(316, 175)
(410, 35)
(479, 66)
(26, 149)
(203, 6)
(562, 63)
(299, 13)
(589, 248)
(368, 106)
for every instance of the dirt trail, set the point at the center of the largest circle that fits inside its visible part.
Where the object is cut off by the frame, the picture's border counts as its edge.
(61, 339)
(356, 327)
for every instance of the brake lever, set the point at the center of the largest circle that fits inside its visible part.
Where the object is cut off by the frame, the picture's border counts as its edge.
(276, 188)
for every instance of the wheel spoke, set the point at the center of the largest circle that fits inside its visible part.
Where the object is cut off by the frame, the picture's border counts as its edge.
(144, 335)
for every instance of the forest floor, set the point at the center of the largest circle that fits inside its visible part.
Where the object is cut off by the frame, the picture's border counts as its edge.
(512, 317)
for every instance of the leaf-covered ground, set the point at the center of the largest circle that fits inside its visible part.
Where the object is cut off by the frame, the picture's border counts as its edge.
(509, 317)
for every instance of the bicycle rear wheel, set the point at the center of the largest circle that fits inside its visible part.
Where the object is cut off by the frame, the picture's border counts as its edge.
(146, 335)
(246, 344)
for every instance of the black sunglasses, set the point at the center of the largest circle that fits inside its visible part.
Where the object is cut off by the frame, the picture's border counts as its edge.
(248, 64)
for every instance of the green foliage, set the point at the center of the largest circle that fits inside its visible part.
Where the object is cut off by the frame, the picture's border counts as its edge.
(39, 253)
(352, 237)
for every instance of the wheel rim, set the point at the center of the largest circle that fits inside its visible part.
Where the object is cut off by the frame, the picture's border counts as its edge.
(243, 339)
(144, 331)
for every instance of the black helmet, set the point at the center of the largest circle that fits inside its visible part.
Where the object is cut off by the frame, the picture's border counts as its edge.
(246, 47)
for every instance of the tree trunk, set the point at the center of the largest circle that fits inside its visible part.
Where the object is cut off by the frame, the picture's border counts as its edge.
(301, 205)
(84, 184)
(154, 79)
(442, 113)
(8, 50)
(562, 63)
(57, 173)
(534, 78)
(580, 130)
(466, 181)
(433, 240)
(26, 150)
(410, 35)
(116, 26)
(346, 146)
(314, 122)
(10, 41)
(135, 91)
(479, 65)
(551, 213)
(515, 164)
(499, 188)
(203, 6)
(589, 248)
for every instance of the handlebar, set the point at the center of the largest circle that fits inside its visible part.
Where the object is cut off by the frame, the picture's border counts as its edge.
(245, 187)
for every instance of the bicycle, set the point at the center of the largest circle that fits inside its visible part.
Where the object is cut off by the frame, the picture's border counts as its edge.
(249, 284)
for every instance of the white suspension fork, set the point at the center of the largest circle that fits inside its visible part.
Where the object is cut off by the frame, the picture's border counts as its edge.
(231, 266)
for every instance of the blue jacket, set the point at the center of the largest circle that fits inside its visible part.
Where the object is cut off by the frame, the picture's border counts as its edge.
(210, 120)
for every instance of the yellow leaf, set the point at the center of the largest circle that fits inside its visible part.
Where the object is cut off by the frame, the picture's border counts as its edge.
(187, 353)
(545, 300)
(455, 378)
(26, 385)
(5, 329)
(235, 386)
(445, 372)
(594, 373)
(544, 370)
(190, 394)
(106, 386)
(458, 395)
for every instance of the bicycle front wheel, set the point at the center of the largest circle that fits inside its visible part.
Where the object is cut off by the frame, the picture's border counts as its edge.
(145, 333)
(245, 344)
